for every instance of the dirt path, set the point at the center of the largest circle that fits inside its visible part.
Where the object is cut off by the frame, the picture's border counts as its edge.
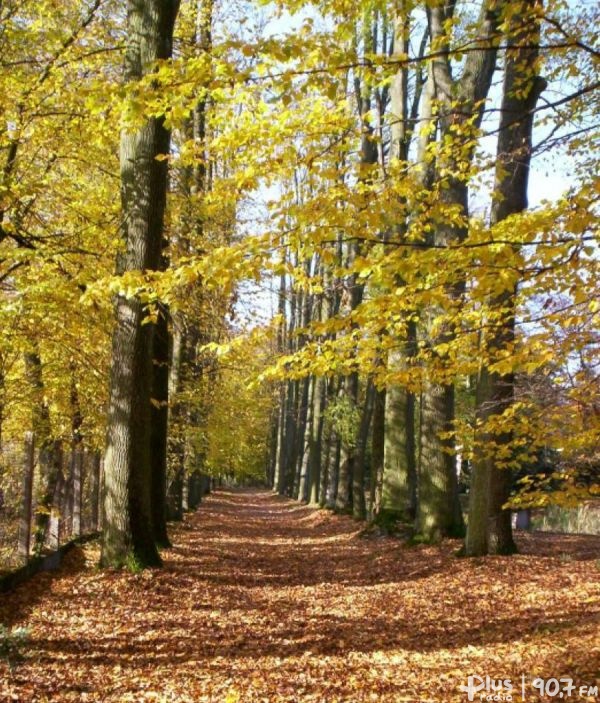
(265, 600)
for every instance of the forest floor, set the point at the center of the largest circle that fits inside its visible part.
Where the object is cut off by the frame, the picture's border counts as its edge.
(262, 599)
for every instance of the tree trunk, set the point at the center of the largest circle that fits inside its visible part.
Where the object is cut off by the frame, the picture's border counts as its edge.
(43, 435)
(76, 475)
(359, 503)
(438, 512)
(56, 516)
(377, 452)
(343, 500)
(476, 539)
(95, 491)
(490, 526)
(460, 103)
(398, 494)
(77, 465)
(27, 496)
(160, 425)
(316, 442)
(398, 478)
(128, 536)
(304, 459)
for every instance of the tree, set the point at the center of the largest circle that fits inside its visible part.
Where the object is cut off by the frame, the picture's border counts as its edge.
(490, 528)
(127, 530)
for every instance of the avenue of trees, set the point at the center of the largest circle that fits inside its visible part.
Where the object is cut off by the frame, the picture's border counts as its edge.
(349, 249)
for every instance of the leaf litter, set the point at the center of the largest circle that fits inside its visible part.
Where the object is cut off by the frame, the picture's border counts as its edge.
(265, 600)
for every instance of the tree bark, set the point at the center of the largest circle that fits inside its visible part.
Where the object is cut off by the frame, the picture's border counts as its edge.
(77, 464)
(438, 514)
(95, 491)
(27, 496)
(359, 502)
(128, 536)
(306, 424)
(459, 99)
(398, 479)
(377, 452)
(160, 424)
(41, 427)
(316, 442)
(399, 489)
(490, 526)
(56, 517)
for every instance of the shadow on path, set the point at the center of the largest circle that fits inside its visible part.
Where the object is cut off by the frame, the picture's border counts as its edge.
(264, 599)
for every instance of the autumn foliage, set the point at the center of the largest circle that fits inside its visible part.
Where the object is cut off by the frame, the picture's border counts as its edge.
(264, 600)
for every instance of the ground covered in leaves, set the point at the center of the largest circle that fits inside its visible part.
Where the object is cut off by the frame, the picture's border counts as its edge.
(262, 599)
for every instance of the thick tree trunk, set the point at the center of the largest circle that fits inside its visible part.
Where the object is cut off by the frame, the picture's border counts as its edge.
(476, 539)
(438, 513)
(490, 526)
(128, 536)
(351, 470)
(398, 478)
(460, 103)
(399, 489)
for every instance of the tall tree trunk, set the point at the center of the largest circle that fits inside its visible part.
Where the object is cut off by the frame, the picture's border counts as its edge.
(76, 475)
(176, 445)
(42, 430)
(351, 471)
(399, 479)
(160, 424)
(77, 463)
(490, 527)
(128, 536)
(348, 392)
(304, 460)
(95, 491)
(315, 451)
(460, 103)
(26, 496)
(438, 513)
(286, 474)
(281, 417)
(399, 489)
(271, 456)
(359, 503)
(377, 452)
(279, 452)
(56, 515)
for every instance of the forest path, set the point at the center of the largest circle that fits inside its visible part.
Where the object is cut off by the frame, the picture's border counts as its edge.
(262, 599)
